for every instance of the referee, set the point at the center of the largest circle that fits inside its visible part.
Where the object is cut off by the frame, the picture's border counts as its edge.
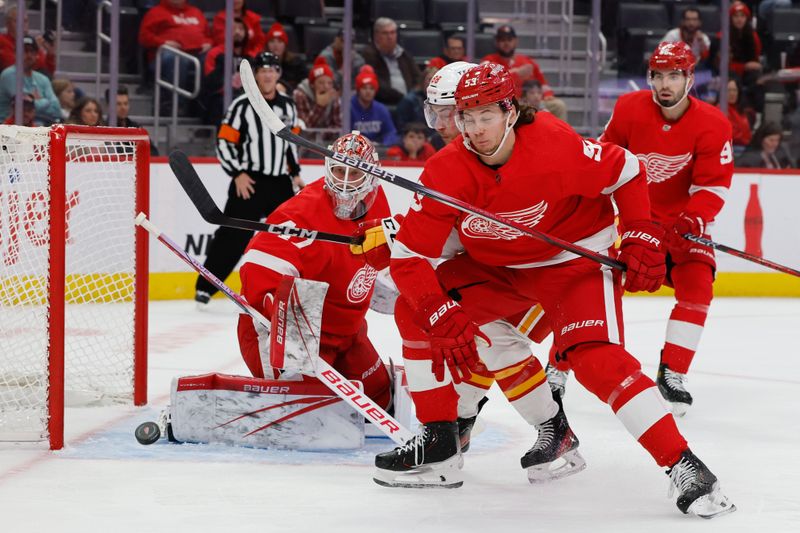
(264, 170)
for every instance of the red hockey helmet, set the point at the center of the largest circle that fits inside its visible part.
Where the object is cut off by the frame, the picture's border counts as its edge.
(484, 84)
(673, 56)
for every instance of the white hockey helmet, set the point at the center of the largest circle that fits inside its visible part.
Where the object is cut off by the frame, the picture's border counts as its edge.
(442, 89)
(352, 191)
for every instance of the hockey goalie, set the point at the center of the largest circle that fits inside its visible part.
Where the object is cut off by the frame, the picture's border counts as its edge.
(316, 295)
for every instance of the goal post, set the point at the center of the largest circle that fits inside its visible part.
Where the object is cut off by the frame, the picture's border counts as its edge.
(73, 274)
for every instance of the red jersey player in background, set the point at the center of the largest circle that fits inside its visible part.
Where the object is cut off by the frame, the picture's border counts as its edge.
(337, 204)
(686, 145)
(535, 170)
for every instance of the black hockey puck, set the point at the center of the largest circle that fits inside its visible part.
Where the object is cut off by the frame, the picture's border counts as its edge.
(147, 433)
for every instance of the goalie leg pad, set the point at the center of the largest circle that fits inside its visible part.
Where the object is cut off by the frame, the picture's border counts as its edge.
(259, 413)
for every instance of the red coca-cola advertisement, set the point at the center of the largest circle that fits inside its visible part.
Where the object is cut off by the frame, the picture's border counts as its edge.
(753, 223)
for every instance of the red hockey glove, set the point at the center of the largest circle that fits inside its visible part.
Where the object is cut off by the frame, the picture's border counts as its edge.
(642, 252)
(686, 223)
(378, 235)
(452, 336)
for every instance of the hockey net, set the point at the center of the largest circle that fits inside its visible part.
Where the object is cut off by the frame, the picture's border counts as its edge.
(73, 274)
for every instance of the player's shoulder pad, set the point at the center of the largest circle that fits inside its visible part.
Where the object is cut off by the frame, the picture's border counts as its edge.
(712, 117)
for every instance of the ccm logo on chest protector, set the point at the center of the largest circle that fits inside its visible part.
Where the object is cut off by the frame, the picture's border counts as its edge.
(439, 313)
(582, 324)
(641, 235)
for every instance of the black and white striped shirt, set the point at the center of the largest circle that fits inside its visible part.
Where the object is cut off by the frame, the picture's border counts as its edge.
(245, 144)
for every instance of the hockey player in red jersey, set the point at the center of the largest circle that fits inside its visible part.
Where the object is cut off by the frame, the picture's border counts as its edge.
(686, 146)
(338, 204)
(534, 169)
(511, 336)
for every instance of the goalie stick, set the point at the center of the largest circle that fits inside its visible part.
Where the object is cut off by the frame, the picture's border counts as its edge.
(198, 194)
(743, 255)
(285, 132)
(341, 386)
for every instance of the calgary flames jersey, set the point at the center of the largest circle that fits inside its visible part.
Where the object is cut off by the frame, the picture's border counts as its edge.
(689, 161)
(351, 281)
(555, 181)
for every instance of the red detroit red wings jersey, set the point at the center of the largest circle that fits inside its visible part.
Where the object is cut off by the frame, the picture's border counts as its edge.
(351, 281)
(689, 161)
(555, 181)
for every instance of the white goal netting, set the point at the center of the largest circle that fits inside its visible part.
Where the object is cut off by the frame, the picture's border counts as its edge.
(99, 282)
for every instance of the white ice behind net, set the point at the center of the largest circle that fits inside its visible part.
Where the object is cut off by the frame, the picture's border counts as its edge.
(99, 284)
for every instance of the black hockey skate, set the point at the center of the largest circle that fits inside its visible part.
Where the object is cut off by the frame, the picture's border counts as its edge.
(698, 489)
(430, 459)
(465, 426)
(555, 454)
(557, 379)
(672, 386)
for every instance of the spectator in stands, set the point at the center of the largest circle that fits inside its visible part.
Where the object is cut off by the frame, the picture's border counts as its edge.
(256, 39)
(742, 135)
(412, 107)
(745, 52)
(766, 7)
(765, 150)
(28, 112)
(689, 32)
(317, 100)
(334, 56)
(533, 95)
(123, 106)
(292, 66)
(46, 53)
(122, 103)
(48, 110)
(368, 116)
(396, 69)
(87, 112)
(65, 92)
(523, 68)
(212, 94)
(455, 49)
(414, 147)
(180, 25)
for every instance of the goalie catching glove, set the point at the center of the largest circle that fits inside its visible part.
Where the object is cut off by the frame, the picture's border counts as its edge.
(378, 237)
(686, 223)
(452, 336)
(642, 252)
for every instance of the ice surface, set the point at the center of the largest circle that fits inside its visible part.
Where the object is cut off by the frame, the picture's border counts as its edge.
(744, 425)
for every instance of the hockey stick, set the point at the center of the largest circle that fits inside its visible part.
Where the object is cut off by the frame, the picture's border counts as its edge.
(198, 194)
(744, 255)
(285, 132)
(341, 386)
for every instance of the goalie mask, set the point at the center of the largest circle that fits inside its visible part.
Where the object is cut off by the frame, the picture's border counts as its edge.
(352, 191)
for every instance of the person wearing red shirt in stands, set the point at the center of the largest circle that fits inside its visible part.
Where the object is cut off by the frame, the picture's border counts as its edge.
(180, 25)
(256, 39)
(523, 68)
(414, 145)
(742, 134)
(46, 60)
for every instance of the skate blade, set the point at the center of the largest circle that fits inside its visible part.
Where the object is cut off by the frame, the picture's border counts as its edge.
(712, 505)
(568, 464)
(444, 475)
(679, 409)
